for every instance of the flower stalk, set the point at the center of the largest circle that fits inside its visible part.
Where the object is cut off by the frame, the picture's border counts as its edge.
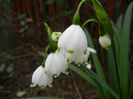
(45, 55)
(76, 18)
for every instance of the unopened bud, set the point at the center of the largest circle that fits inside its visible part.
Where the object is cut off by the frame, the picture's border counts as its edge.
(105, 41)
(56, 36)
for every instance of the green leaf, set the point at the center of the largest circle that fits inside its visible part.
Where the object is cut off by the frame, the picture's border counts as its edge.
(43, 98)
(83, 75)
(96, 60)
(118, 28)
(123, 55)
(49, 31)
(113, 58)
(101, 81)
(119, 22)
(86, 77)
(97, 63)
(117, 32)
(113, 74)
(103, 17)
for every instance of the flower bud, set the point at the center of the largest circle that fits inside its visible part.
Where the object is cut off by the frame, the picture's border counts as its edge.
(56, 36)
(105, 41)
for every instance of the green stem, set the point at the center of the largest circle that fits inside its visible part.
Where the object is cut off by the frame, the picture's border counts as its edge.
(76, 18)
(45, 54)
(101, 32)
(89, 20)
(79, 6)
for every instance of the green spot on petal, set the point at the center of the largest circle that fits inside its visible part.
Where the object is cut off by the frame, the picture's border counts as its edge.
(79, 63)
(55, 75)
(51, 84)
(67, 71)
(70, 51)
(45, 72)
(67, 60)
(58, 48)
(42, 87)
(85, 52)
(32, 84)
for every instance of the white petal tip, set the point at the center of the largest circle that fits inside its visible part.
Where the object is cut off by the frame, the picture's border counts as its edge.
(89, 66)
(91, 50)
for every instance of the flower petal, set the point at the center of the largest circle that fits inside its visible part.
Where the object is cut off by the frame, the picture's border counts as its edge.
(36, 75)
(55, 64)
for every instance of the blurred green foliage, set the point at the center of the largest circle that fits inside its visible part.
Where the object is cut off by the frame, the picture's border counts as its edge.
(8, 41)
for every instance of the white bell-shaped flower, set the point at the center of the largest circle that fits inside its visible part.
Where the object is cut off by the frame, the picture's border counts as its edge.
(105, 41)
(74, 42)
(56, 36)
(41, 78)
(81, 57)
(56, 64)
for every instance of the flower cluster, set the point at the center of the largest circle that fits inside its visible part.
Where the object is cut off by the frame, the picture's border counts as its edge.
(72, 47)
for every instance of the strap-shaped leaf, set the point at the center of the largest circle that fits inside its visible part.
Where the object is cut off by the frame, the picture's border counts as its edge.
(101, 81)
(123, 55)
(87, 78)
(97, 63)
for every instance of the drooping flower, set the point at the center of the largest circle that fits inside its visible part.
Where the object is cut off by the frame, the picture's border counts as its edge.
(105, 41)
(56, 64)
(56, 36)
(84, 56)
(73, 42)
(41, 78)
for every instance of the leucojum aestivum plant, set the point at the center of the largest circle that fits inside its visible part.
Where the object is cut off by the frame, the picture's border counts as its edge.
(72, 50)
